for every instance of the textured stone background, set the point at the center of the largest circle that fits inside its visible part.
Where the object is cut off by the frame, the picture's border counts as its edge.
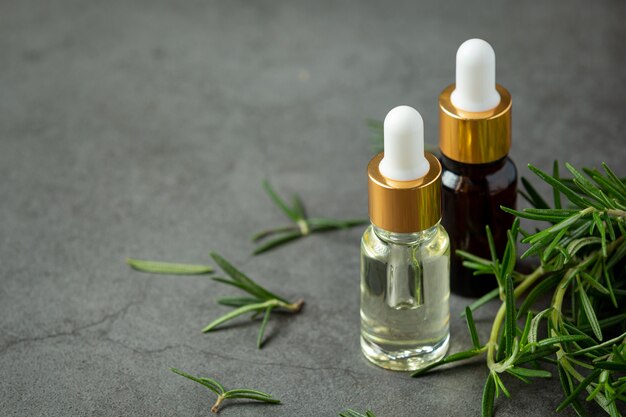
(143, 128)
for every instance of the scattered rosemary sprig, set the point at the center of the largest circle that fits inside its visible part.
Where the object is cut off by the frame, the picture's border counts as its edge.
(223, 395)
(352, 413)
(582, 260)
(303, 226)
(169, 268)
(262, 301)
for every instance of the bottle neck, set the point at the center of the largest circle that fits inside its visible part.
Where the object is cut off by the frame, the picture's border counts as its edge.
(472, 169)
(406, 238)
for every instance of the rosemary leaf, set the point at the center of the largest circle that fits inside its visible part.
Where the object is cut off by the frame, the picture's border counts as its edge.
(237, 301)
(510, 315)
(602, 230)
(232, 283)
(560, 340)
(500, 385)
(473, 258)
(605, 184)
(337, 223)
(155, 267)
(279, 202)
(455, 357)
(558, 185)
(536, 215)
(585, 185)
(510, 252)
(605, 344)
(261, 398)
(488, 396)
(526, 330)
(248, 391)
(492, 245)
(241, 278)
(593, 283)
(534, 325)
(211, 384)
(352, 413)
(472, 327)
(277, 242)
(533, 197)
(269, 232)
(298, 207)
(266, 317)
(537, 354)
(555, 193)
(236, 313)
(619, 183)
(589, 312)
(613, 366)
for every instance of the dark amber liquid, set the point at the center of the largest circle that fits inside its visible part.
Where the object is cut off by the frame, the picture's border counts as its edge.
(472, 196)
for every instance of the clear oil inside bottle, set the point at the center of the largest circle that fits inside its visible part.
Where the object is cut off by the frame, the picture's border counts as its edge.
(405, 295)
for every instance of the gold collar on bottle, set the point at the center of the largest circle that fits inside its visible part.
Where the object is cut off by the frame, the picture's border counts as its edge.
(475, 137)
(404, 206)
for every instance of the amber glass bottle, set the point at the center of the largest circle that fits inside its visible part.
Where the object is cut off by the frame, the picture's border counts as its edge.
(477, 175)
(472, 196)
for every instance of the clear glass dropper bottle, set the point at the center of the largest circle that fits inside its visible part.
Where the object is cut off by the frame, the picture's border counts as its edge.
(405, 253)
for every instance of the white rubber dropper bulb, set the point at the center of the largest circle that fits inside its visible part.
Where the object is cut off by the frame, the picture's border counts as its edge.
(475, 89)
(404, 145)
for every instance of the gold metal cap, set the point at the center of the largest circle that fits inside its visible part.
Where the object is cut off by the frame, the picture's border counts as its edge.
(475, 138)
(404, 206)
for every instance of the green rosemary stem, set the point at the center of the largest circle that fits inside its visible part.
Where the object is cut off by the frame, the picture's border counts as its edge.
(294, 307)
(304, 227)
(497, 322)
(616, 213)
(557, 303)
(216, 406)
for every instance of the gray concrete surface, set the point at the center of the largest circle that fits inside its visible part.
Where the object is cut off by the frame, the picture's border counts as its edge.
(143, 128)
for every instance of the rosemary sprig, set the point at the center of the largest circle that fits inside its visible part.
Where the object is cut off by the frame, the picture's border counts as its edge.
(303, 225)
(261, 301)
(223, 394)
(582, 255)
(155, 267)
(352, 413)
